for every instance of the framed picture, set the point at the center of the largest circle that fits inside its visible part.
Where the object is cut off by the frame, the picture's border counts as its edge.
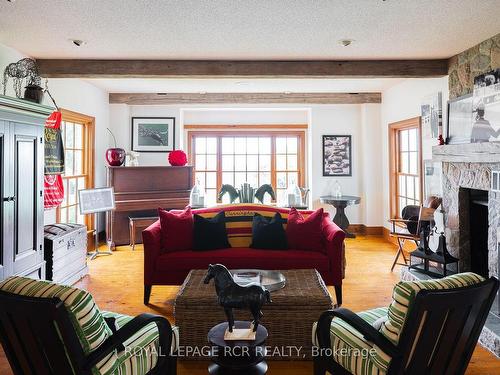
(96, 200)
(153, 134)
(459, 120)
(337, 155)
(433, 174)
(486, 108)
(431, 110)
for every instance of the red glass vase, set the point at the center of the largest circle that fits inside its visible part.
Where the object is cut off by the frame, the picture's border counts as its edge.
(115, 156)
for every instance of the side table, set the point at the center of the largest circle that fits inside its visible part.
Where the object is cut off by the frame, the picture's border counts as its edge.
(340, 203)
(237, 357)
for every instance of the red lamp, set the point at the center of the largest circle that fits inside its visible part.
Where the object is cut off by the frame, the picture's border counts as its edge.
(115, 156)
(177, 158)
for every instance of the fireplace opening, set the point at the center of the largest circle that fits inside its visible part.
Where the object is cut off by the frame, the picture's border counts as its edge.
(478, 224)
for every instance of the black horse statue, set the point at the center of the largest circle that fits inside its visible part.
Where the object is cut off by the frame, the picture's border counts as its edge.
(233, 296)
(247, 193)
(266, 188)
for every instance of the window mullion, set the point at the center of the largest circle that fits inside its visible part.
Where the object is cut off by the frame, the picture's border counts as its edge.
(273, 163)
(219, 164)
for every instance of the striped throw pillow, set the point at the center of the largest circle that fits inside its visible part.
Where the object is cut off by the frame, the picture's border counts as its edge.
(239, 218)
(403, 296)
(87, 320)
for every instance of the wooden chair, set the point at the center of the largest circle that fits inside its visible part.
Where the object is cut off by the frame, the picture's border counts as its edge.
(38, 337)
(409, 226)
(438, 336)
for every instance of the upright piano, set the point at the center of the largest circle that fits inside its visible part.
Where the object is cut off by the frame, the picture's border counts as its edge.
(139, 191)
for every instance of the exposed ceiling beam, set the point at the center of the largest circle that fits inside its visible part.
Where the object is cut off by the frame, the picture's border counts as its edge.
(244, 98)
(61, 68)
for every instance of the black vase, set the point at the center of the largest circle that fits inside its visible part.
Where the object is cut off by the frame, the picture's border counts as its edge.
(33, 93)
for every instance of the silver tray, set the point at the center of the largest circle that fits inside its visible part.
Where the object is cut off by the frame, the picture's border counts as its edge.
(271, 280)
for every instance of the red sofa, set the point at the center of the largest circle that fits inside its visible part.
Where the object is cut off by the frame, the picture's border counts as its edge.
(164, 267)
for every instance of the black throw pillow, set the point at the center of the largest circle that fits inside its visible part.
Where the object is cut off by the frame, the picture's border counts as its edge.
(268, 233)
(210, 234)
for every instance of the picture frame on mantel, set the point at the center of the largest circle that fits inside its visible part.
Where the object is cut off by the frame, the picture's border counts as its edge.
(337, 155)
(153, 134)
(459, 125)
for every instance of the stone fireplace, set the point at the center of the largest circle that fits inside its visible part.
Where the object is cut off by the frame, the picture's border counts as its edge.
(463, 183)
(472, 219)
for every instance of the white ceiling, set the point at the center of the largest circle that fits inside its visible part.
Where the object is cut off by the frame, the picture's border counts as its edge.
(247, 29)
(243, 85)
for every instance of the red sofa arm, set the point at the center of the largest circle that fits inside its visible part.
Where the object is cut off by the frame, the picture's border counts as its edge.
(151, 239)
(334, 242)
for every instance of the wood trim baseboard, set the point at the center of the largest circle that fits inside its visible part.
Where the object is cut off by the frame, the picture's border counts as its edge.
(366, 230)
(387, 236)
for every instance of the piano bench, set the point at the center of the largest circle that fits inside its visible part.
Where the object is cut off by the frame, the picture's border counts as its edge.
(136, 222)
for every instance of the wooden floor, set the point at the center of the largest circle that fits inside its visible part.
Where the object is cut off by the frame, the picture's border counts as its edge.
(116, 282)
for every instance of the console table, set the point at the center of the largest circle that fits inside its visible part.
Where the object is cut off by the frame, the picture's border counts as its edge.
(340, 203)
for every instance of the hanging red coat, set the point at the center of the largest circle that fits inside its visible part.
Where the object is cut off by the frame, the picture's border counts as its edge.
(54, 162)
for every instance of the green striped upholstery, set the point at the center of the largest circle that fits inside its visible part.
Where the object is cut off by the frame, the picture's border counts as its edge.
(87, 320)
(83, 312)
(144, 343)
(402, 298)
(141, 352)
(350, 349)
(92, 329)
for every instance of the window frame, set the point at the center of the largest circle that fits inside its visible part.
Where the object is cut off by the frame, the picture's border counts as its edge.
(233, 131)
(88, 123)
(395, 162)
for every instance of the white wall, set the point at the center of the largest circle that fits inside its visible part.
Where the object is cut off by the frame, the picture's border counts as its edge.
(78, 96)
(120, 116)
(401, 102)
(337, 120)
(8, 55)
(362, 122)
(371, 155)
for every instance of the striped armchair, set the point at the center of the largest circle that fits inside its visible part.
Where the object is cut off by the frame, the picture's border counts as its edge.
(431, 327)
(47, 328)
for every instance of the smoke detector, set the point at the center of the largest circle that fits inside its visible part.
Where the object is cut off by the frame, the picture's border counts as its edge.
(345, 42)
(78, 42)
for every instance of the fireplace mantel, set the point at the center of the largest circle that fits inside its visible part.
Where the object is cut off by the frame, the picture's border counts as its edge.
(488, 152)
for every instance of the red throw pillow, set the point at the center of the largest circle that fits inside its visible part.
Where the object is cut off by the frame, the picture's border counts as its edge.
(176, 230)
(305, 234)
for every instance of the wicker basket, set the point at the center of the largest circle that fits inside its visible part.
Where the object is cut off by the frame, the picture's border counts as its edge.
(288, 319)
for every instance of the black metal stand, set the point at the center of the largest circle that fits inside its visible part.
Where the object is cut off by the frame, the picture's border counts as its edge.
(441, 257)
(237, 357)
(96, 251)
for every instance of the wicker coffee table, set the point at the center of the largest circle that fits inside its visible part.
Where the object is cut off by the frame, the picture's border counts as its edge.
(288, 319)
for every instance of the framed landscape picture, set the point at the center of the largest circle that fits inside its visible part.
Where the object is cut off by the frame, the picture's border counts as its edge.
(153, 134)
(337, 155)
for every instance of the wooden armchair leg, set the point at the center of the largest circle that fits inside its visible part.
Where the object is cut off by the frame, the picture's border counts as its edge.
(338, 294)
(319, 367)
(400, 252)
(147, 293)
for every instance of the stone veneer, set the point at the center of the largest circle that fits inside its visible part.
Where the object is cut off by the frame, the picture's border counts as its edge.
(472, 176)
(462, 68)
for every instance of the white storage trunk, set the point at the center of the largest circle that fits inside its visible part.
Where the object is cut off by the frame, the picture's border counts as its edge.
(65, 252)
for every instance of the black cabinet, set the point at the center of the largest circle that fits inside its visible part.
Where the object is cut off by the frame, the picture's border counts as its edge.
(21, 170)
